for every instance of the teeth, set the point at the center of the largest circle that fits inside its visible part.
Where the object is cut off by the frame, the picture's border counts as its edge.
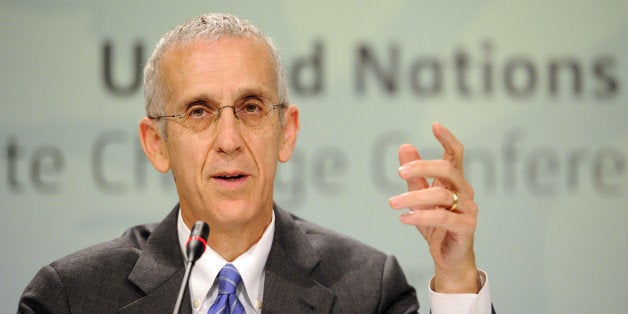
(231, 177)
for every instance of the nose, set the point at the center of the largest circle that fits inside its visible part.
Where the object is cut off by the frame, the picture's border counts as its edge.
(219, 112)
(228, 138)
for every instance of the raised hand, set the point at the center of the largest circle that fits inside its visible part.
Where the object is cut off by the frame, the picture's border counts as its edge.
(444, 211)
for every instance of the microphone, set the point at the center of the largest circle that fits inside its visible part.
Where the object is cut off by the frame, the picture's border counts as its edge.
(194, 248)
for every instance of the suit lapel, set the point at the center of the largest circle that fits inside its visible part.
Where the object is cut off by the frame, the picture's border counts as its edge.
(290, 284)
(158, 272)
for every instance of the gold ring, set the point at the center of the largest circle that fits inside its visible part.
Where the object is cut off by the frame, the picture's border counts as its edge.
(455, 199)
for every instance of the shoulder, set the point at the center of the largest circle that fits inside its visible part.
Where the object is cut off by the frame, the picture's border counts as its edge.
(121, 250)
(360, 276)
(335, 250)
(87, 272)
(328, 242)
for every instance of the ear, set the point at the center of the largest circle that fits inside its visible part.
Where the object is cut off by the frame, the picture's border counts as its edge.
(154, 145)
(290, 132)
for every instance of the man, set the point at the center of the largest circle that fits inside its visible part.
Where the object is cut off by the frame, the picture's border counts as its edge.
(219, 118)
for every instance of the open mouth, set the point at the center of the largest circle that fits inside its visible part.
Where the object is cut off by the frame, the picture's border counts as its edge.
(230, 177)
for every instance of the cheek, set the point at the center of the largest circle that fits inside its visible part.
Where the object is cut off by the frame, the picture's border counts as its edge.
(186, 157)
(266, 151)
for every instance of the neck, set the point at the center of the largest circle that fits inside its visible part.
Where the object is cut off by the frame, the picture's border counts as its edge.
(232, 240)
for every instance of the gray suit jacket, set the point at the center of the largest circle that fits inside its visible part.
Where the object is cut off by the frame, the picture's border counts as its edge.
(309, 270)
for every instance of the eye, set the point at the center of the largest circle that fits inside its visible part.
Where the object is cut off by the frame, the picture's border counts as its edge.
(252, 107)
(198, 112)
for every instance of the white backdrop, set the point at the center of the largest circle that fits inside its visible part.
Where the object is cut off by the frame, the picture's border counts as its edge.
(535, 89)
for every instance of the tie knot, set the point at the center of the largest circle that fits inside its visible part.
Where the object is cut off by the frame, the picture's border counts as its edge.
(228, 279)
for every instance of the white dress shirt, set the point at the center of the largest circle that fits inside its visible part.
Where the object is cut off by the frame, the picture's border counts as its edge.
(463, 303)
(250, 265)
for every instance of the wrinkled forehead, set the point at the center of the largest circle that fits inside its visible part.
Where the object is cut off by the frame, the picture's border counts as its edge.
(177, 49)
(236, 62)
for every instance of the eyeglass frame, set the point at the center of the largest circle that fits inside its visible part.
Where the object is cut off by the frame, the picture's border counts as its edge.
(217, 113)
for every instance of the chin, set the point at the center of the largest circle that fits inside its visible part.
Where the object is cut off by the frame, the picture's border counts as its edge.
(239, 211)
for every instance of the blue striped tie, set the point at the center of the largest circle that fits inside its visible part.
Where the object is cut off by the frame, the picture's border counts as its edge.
(227, 301)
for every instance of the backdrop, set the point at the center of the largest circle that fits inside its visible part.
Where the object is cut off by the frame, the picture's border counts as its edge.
(535, 89)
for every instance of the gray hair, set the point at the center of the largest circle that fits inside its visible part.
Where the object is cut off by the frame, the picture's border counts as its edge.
(210, 26)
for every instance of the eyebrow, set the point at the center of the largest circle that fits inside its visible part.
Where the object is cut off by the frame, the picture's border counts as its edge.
(258, 92)
(240, 93)
(185, 103)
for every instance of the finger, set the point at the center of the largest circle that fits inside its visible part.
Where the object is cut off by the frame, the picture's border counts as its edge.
(434, 202)
(441, 170)
(454, 150)
(408, 153)
(441, 218)
(424, 199)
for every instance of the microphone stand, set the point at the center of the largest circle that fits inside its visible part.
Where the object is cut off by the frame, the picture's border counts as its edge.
(195, 247)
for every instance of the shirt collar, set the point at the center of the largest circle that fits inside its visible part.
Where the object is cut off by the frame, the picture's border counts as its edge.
(250, 264)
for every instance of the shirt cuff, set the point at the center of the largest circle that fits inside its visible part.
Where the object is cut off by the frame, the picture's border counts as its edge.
(471, 303)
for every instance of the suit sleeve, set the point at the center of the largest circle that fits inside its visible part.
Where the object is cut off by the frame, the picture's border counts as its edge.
(44, 294)
(397, 296)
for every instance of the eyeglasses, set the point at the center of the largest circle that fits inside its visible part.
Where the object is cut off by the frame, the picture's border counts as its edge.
(251, 112)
